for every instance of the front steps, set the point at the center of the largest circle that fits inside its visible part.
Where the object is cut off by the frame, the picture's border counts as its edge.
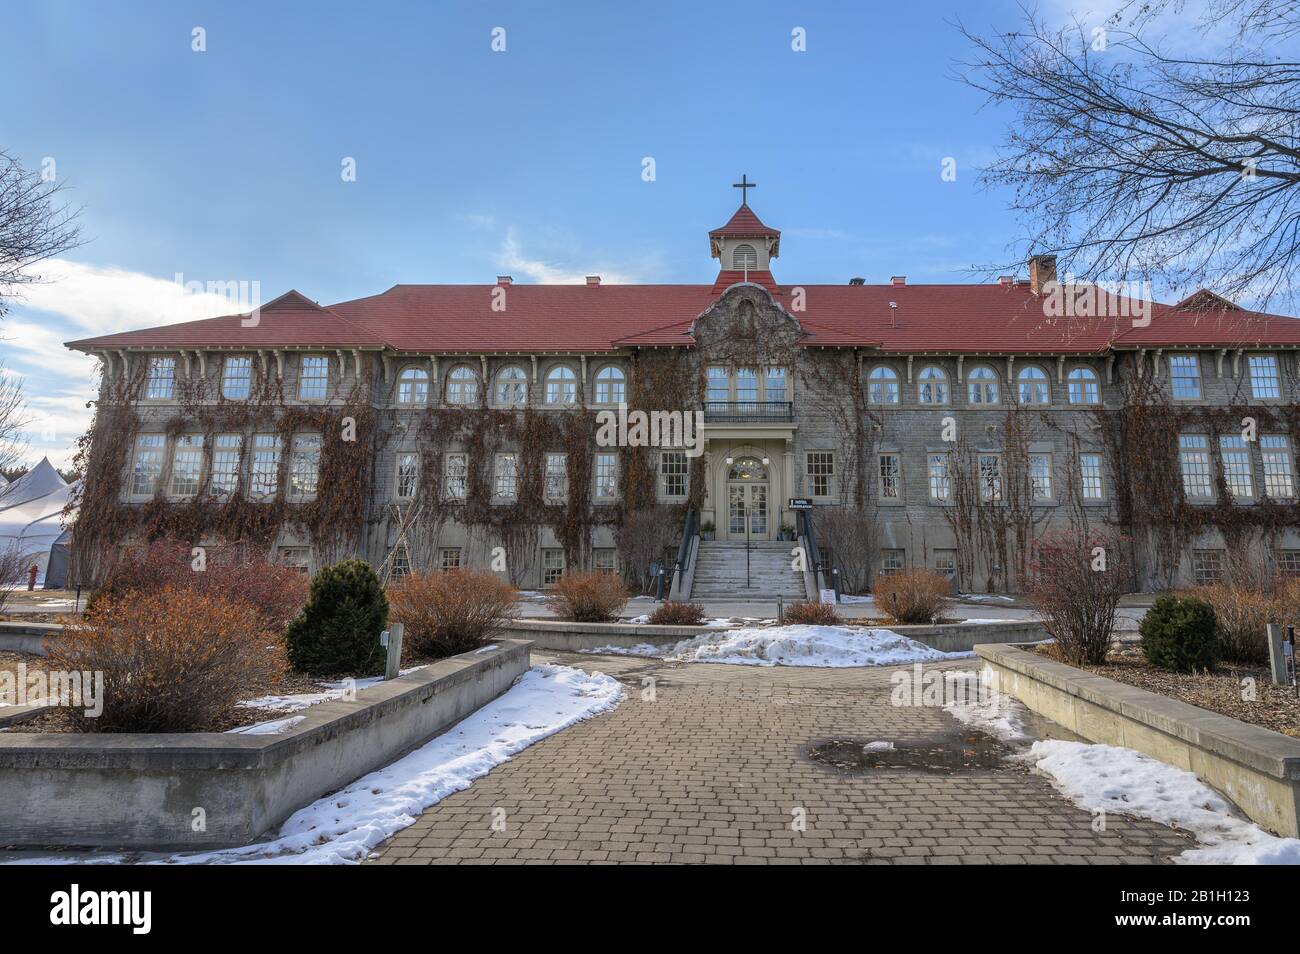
(720, 571)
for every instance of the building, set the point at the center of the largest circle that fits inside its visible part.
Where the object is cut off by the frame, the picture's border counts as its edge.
(946, 426)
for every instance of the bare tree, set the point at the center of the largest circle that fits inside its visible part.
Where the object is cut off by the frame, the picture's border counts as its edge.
(1133, 164)
(13, 420)
(35, 225)
(852, 536)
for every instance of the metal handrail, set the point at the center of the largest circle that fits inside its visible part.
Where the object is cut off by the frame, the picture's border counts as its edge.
(810, 540)
(740, 411)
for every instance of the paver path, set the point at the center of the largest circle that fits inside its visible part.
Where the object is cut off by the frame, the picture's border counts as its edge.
(712, 769)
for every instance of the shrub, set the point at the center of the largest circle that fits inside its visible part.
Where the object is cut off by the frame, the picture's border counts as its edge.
(1178, 634)
(1075, 584)
(450, 611)
(588, 596)
(677, 614)
(338, 630)
(912, 596)
(811, 614)
(174, 660)
(275, 592)
(1242, 613)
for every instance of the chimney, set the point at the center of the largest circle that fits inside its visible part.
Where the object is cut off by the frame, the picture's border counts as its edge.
(504, 279)
(593, 281)
(857, 281)
(1006, 279)
(898, 280)
(1042, 269)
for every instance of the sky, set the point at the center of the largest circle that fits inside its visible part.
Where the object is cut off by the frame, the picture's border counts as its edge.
(229, 164)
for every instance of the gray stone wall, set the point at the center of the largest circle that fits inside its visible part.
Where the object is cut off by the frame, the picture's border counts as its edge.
(745, 327)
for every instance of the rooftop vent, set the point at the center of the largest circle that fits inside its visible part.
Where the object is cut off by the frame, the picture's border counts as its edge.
(857, 281)
(898, 280)
(593, 281)
(504, 279)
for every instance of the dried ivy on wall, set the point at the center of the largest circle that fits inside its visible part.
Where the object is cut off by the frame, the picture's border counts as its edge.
(333, 520)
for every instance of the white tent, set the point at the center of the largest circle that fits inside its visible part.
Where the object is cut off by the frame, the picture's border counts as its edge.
(31, 516)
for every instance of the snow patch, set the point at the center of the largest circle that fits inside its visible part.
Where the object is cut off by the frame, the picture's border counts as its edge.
(1126, 782)
(824, 646)
(333, 690)
(274, 727)
(881, 746)
(342, 828)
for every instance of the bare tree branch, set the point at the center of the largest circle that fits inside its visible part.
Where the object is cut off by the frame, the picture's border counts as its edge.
(1134, 166)
(35, 225)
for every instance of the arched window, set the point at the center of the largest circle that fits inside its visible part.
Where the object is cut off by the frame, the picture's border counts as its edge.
(413, 386)
(512, 385)
(1033, 385)
(1083, 387)
(982, 385)
(747, 468)
(744, 257)
(561, 385)
(462, 386)
(933, 386)
(882, 385)
(610, 385)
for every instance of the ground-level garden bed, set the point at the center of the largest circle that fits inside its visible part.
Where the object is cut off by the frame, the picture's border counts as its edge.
(211, 789)
(1239, 690)
(1258, 769)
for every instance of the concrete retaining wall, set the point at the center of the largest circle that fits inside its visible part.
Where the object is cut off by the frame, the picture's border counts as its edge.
(574, 637)
(1256, 768)
(16, 637)
(140, 791)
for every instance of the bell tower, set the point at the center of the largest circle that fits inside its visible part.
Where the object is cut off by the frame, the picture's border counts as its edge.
(745, 245)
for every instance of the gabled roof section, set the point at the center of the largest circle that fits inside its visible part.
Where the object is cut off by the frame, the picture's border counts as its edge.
(1204, 299)
(291, 320)
(744, 224)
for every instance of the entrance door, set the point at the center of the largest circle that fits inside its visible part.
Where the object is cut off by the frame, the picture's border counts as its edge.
(747, 500)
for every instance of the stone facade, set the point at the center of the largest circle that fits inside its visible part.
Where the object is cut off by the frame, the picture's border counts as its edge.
(826, 426)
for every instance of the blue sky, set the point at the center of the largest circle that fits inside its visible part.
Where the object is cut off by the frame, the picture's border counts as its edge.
(225, 165)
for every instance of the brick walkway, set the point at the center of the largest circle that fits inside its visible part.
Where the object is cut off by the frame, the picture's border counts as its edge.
(713, 768)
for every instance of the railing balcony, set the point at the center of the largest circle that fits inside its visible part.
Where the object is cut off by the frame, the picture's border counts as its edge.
(748, 412)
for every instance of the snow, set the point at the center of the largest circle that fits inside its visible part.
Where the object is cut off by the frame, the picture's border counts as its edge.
(980, 707)
(881, 746)
(1126, 782)
(985, 597)
(342, 828)
(274, 727)
(334, 690)
(825, 646)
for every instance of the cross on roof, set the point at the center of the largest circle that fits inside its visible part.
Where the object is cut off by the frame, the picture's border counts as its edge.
(744, 185)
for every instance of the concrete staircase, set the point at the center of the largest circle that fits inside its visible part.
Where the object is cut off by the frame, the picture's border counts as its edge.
(720, 572)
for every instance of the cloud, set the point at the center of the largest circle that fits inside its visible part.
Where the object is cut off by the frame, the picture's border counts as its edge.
(104, 299)
(76, 300)
(513, 259)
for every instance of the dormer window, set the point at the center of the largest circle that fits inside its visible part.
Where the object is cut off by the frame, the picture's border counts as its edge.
(744, 258)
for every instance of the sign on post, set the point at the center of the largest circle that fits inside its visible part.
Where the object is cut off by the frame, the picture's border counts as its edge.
(392, 640)
(799, 503)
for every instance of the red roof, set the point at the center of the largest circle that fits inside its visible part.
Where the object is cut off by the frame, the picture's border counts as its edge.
(743, 224)
(990, 318)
